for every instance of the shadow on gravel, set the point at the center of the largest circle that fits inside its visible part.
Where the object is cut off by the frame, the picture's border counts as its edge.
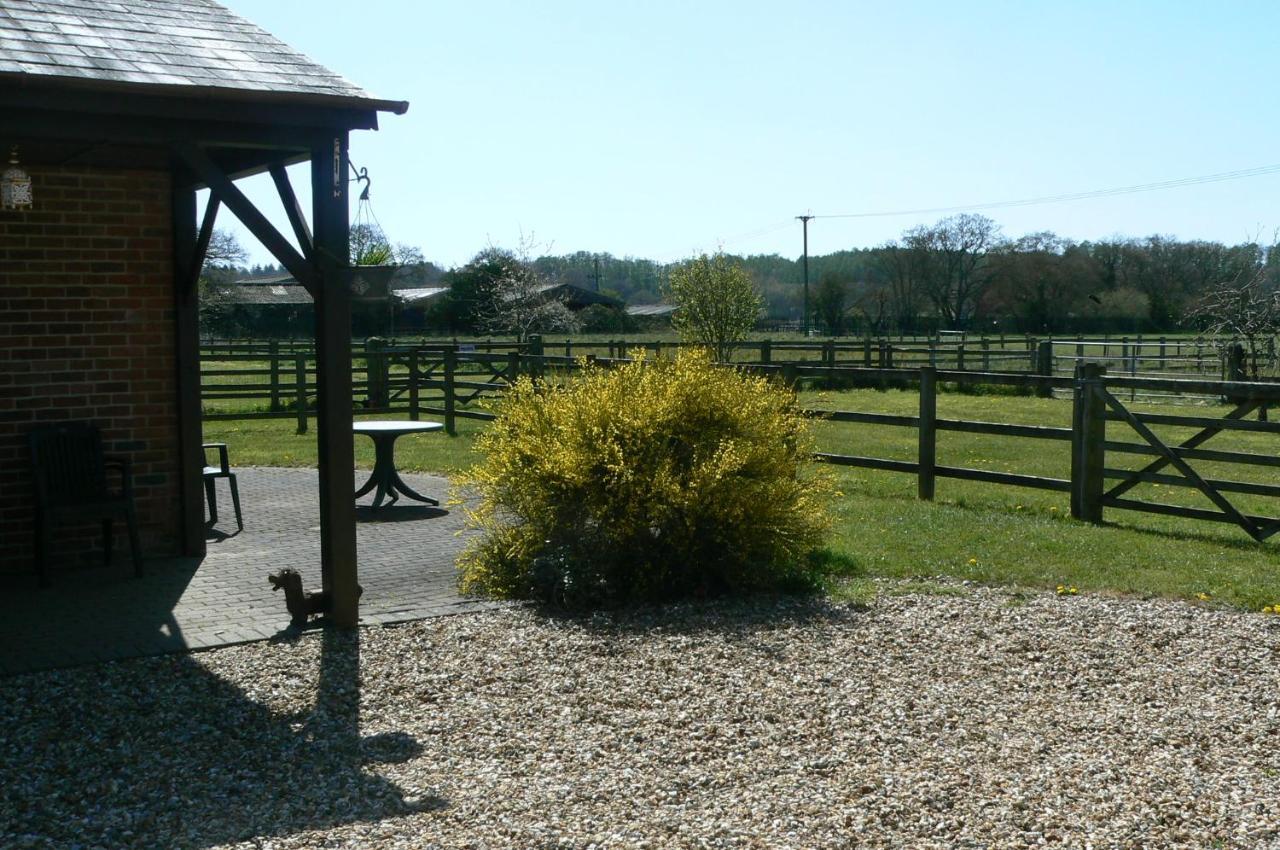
(729, 617)
(162, 753)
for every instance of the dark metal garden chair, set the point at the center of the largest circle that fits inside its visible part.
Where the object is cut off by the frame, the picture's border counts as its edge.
(211, 475)
(70, 474)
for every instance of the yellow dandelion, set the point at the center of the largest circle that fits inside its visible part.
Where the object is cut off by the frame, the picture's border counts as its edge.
(1053, 509)
(973, 561)
(1267, 610)
(1203, 597)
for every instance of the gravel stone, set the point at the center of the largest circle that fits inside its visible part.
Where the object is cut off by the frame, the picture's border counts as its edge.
(985, 719)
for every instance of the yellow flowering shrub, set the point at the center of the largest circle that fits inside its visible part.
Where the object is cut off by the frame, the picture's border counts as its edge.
(643, 482)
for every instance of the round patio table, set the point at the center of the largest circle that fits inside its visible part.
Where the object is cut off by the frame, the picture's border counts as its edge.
(385, 478)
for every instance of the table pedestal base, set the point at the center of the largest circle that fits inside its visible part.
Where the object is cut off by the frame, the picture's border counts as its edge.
(388, 482)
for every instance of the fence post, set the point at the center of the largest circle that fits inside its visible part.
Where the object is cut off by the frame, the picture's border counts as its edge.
(300, 390)
(1233, 364)
(533, 348)
(450, 397)
(986, 354)
(960, 356)
(928, 432)
(513, 367)
(413, 385)
(791, 375)
(375, 372)
(766, 352)
(866, 351)
(273, 351)
(1044, 368)
(1088, 443)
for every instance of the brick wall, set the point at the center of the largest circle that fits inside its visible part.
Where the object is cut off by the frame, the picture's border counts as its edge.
(86, 332)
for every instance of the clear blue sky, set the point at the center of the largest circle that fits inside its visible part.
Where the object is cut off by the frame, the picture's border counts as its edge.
(657, 129)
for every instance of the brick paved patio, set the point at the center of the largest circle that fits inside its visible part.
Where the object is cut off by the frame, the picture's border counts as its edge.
(406, 553)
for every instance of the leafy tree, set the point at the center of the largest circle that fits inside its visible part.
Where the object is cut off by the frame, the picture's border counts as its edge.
(716, 302)
(1040, 280)
(1123, 303)
(829, 301)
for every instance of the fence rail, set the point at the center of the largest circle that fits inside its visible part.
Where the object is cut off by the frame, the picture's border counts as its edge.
(447, 381)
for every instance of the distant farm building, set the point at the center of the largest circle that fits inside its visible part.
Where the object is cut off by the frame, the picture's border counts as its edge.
(385, 300)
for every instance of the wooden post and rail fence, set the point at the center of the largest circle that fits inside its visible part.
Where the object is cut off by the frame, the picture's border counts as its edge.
(452, 381)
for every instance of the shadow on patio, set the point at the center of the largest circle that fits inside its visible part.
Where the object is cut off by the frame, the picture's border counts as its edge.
(407, 570)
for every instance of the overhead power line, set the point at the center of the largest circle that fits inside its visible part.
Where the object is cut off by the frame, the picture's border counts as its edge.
(1075, 196)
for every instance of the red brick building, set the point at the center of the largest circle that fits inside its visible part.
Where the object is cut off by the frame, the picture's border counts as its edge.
(120, 113)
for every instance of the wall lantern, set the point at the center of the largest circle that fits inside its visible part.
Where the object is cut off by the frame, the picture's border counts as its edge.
(15, 185)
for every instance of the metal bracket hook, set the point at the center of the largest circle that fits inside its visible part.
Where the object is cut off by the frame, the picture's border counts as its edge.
(361, 176)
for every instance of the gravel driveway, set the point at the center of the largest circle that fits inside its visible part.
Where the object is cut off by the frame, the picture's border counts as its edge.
(989, 719)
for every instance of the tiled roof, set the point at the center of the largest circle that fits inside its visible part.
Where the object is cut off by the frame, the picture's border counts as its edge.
(258, 294)
(179, 44)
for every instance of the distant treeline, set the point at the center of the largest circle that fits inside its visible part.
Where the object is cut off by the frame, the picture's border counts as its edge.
(960, 274)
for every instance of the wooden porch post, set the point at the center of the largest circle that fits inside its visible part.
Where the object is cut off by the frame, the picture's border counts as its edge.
(333, 377)
(186, 327)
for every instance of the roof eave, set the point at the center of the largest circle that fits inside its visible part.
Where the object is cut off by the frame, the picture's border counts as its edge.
(216, 94)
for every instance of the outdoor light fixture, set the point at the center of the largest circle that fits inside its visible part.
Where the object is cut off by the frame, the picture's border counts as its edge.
(15, 185)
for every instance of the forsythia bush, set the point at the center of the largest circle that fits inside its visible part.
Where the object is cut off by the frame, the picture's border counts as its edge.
(644, 482)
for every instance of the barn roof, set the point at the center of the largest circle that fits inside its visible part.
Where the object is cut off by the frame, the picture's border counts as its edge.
(179, 47)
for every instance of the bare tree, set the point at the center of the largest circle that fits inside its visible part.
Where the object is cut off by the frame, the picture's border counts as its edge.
(898, 268)
(515, 299)
(951, 263)
(224, 250)
(1244, 311)
(873, 301)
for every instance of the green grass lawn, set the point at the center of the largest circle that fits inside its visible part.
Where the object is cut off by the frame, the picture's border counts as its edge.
(981, 532)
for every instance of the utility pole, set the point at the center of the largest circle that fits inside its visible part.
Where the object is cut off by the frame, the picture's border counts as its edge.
(804, 219)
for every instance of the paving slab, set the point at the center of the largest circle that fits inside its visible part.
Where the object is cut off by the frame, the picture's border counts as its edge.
(407, 561)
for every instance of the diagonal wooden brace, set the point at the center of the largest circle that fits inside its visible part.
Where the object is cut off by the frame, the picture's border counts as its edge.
(1182, 466)
(1192, 442)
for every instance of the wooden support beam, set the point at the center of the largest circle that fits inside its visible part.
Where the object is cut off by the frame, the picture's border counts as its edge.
(228, 193)
(196, 264)
(292, 208)
(330, 219)
(186, 269)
